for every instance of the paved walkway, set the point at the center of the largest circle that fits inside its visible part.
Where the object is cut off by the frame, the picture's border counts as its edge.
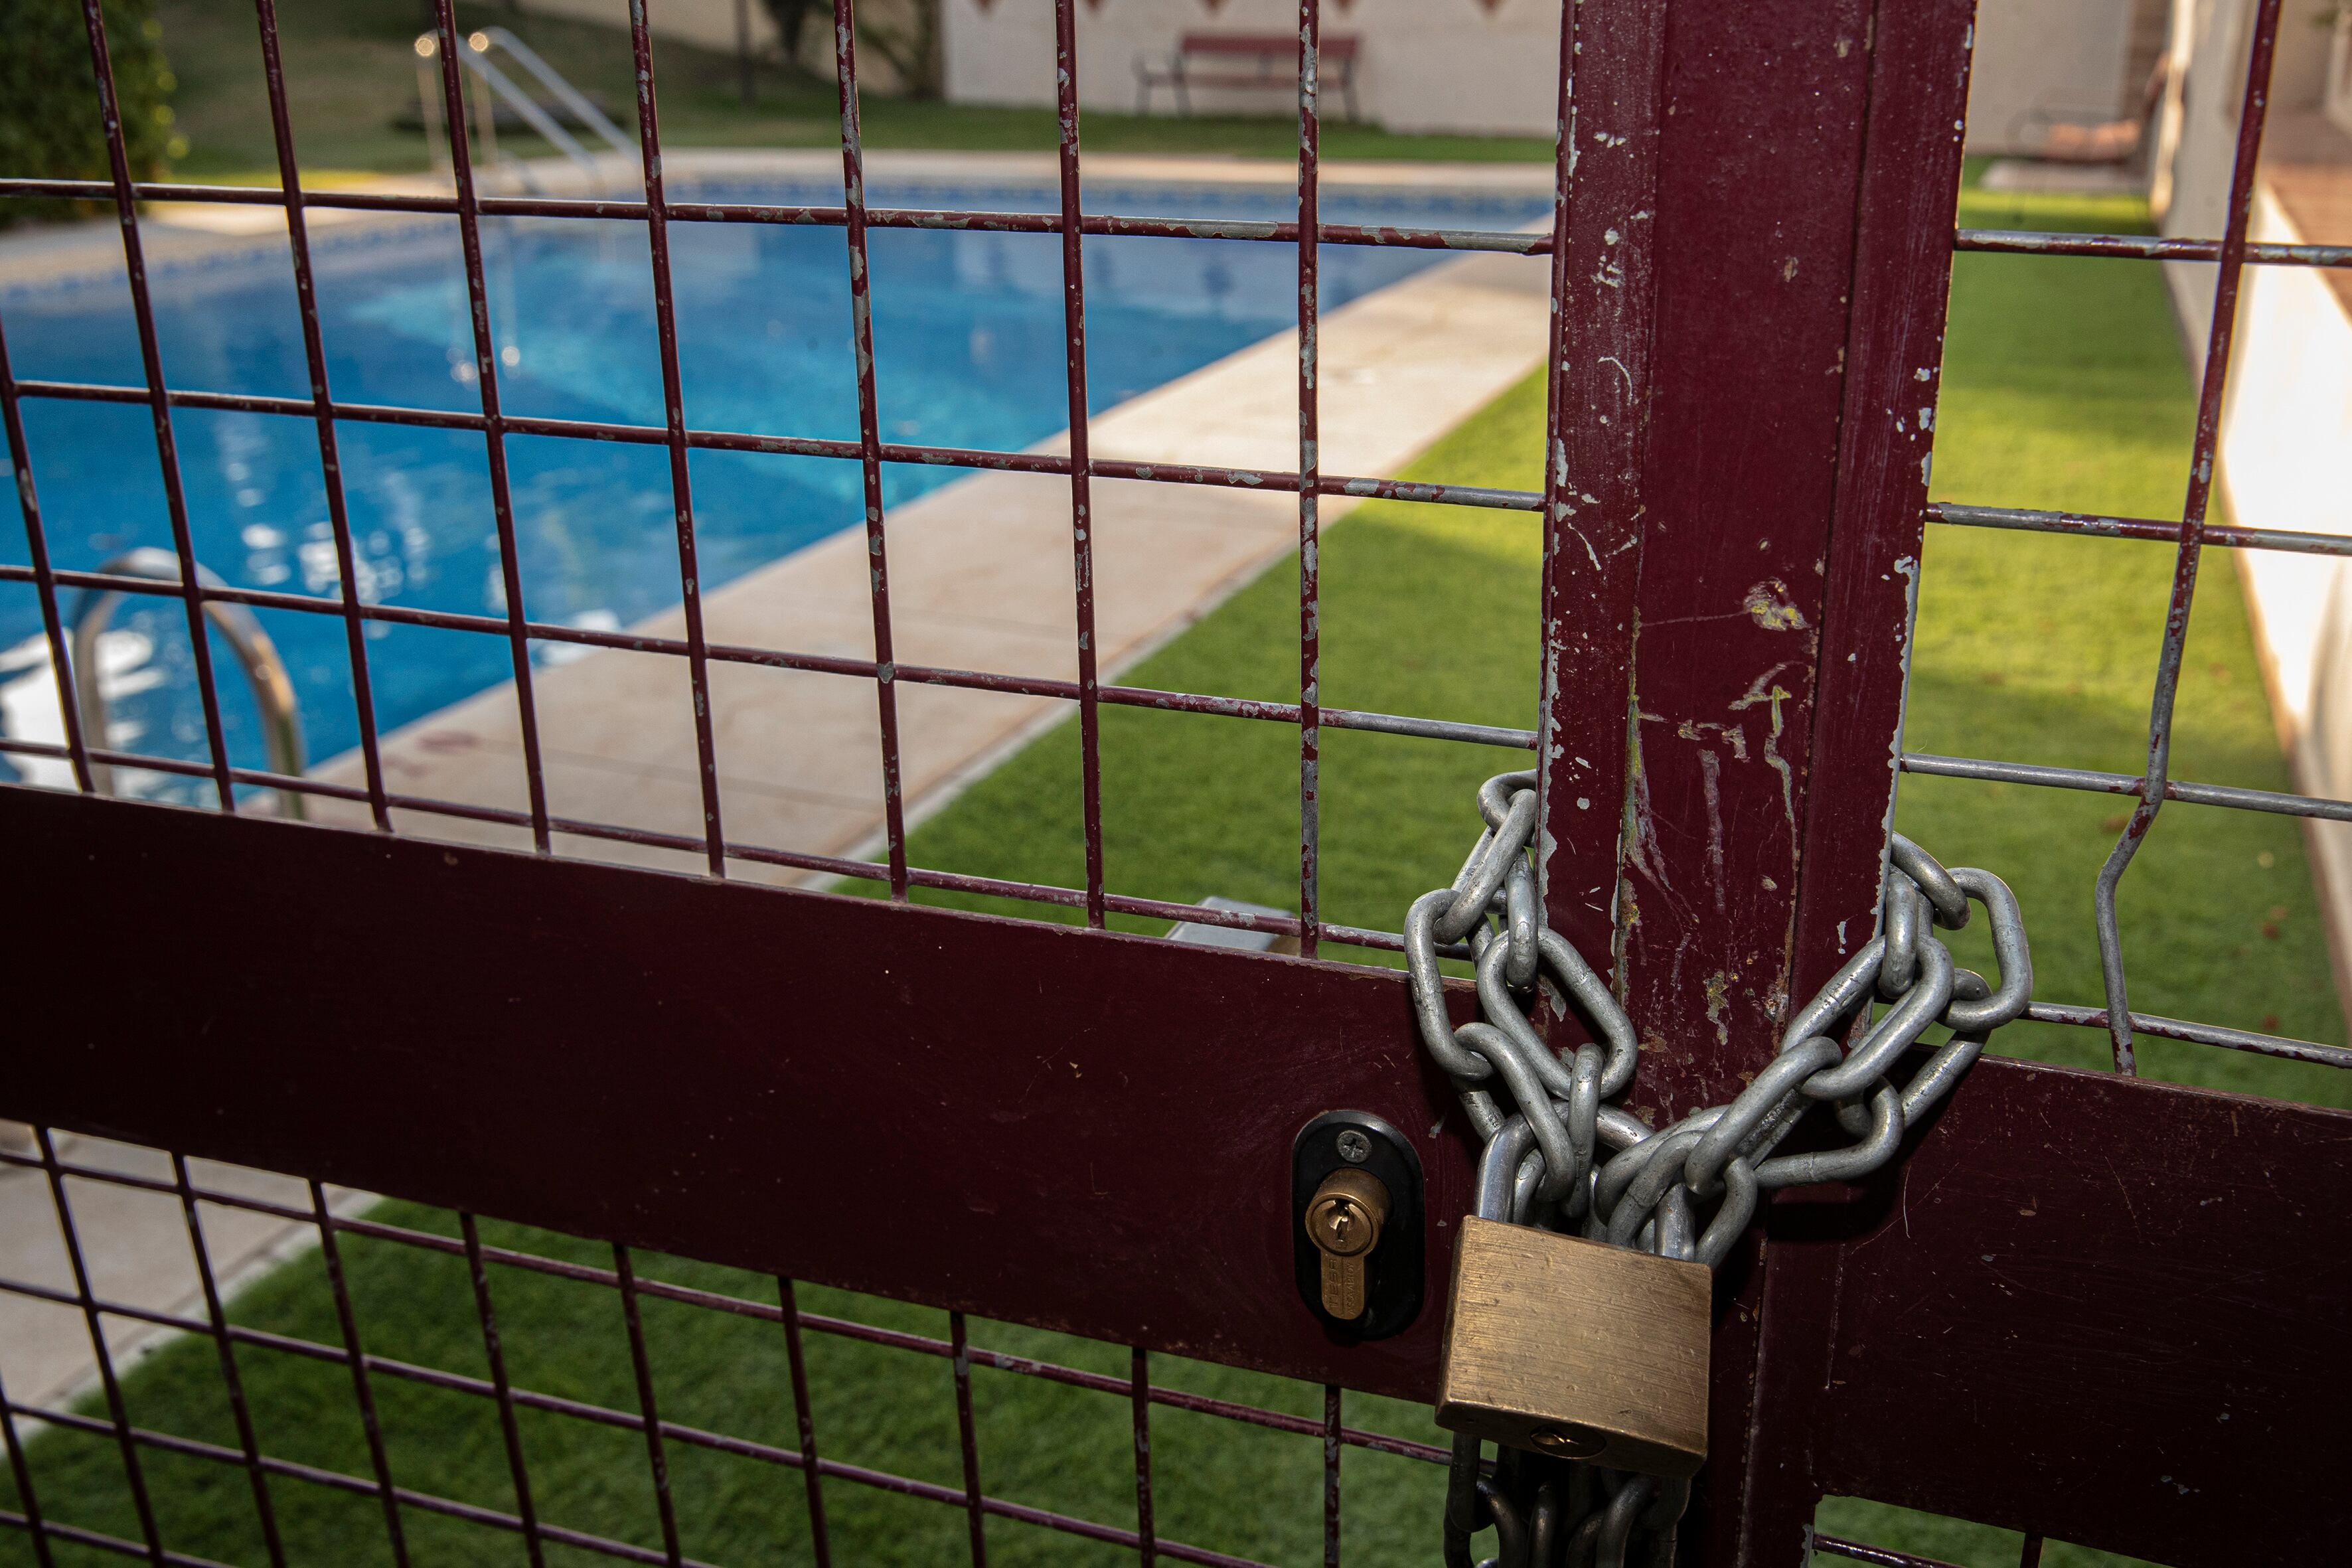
(135, 1245)
(980, 579)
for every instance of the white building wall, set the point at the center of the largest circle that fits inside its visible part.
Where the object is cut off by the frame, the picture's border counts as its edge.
(1471, 67)
(708, 22)
(2036, 58)
(2286, 428)
(1464, 65)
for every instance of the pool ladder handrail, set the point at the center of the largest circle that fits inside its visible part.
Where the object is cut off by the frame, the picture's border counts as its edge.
(265, 671)
(475, 58)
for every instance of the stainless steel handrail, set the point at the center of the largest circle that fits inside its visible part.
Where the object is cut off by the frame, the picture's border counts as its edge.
(265, 672)
(475, 58)
(582, 107)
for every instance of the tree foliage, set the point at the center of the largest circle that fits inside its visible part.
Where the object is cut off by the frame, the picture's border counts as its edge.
(49, 121)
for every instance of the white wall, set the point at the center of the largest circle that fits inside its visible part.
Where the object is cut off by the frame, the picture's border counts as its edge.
(1464, 65)
(709, 23)
(2045, 56)
(1426, 65)
(2286, 433)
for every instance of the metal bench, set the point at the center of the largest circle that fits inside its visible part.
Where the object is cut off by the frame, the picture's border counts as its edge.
(1245, 60)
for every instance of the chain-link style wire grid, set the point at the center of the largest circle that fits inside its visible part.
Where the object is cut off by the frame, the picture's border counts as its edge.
(2233, 252)
(368, 1370)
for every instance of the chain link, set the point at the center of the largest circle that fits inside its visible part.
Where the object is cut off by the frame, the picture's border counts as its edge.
(1561, 1155)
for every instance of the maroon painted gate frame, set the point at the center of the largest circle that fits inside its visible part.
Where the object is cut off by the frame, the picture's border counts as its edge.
(2039, 1320)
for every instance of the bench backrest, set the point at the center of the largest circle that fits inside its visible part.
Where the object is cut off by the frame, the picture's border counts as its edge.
(1334, 46)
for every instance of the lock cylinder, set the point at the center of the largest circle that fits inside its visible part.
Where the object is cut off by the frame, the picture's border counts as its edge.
(1355, 1219)
(1344, 1222)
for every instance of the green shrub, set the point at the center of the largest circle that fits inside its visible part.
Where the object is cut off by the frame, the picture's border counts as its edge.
(49, 125)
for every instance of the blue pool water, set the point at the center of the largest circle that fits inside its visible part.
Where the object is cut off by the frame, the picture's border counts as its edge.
(968, 331)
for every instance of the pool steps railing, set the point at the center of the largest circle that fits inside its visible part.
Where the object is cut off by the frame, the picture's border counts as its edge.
(264, 668)
(475, 58)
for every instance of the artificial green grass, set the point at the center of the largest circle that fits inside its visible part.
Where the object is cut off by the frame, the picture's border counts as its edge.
(1247, 1490)
(2063, 387)
(350, 72)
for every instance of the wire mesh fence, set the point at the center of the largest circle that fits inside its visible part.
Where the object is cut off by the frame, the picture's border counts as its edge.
(370, 1297)
(2231, 252)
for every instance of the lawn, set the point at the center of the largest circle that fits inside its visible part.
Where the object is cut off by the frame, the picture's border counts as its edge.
(1242, 1489)
(2064, 387)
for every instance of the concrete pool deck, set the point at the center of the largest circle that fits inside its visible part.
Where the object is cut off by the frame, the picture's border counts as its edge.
(981, 575)
(981, 579)
(135, 1245)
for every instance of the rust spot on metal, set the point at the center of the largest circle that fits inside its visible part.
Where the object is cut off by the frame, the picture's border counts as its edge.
(1767, 603)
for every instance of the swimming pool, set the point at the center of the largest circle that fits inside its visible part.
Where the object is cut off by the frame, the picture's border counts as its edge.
(967, 334)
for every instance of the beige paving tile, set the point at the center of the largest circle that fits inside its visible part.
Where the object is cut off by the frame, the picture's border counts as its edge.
(981, 579)
(135, 1246)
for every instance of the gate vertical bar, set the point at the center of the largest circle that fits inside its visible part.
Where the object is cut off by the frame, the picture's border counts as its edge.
(133, 1473)
(1752, 263)
(363, 1392)
(1310, 650)
(1755, 212)
(45, 582)
(1082, 550)
(495, 1351)
(1604, 282)
(1138, 1397)
(330, 461)
(1893, 369)
(494, 437)
(232, 1381)
(159, 405)
(812, 1468)
(869, 433)
(1330, 1475)
(2220, 339)
(681, 483)
(975, 1519)
(1900, 272)
(28, 1503)
(656, 1458)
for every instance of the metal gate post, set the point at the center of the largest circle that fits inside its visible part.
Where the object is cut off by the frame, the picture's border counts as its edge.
(1755, 262)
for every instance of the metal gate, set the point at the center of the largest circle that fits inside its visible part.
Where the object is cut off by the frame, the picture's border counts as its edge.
(1753, 237)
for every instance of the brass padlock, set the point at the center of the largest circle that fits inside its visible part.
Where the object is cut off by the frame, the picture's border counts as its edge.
(1564, 1346)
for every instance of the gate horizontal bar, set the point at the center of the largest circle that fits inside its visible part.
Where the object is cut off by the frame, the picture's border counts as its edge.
(1082, 1131)
(1091, 1132)
(2134, 1286)
(1512, 242)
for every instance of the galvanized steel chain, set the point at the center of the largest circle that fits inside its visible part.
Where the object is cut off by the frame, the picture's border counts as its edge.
(1561, 1155)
